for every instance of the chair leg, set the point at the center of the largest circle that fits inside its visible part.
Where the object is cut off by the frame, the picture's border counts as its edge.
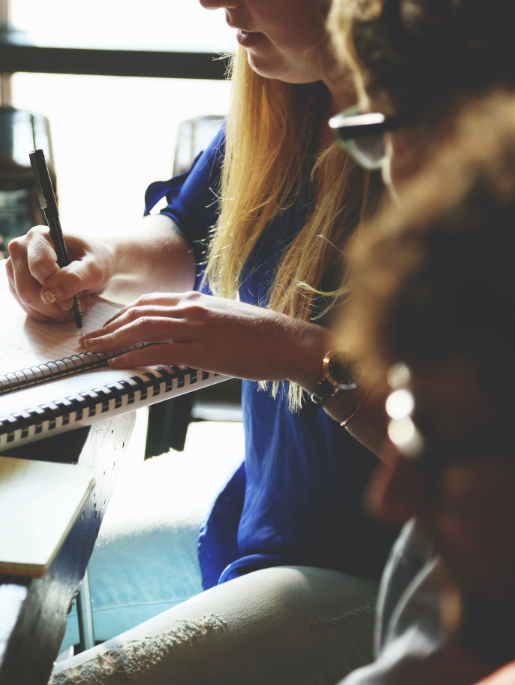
(168, 424)
(85, 615)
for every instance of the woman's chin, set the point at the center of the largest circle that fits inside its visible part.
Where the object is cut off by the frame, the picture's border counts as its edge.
(277, 69)
(263, 66)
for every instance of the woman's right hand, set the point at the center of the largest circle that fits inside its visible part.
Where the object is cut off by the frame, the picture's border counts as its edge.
(46, 291)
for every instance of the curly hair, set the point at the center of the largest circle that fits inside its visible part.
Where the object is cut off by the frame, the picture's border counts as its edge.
(436, 278)
(427, 56)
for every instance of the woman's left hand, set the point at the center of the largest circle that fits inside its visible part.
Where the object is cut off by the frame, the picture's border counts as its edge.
(214, 334)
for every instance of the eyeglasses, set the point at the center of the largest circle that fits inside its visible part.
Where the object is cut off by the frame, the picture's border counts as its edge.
(433, 454)
(361, 134)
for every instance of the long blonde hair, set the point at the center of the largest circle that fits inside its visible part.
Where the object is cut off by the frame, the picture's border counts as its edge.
(273, 129)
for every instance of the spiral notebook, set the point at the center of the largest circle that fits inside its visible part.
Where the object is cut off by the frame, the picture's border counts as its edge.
(49, 385)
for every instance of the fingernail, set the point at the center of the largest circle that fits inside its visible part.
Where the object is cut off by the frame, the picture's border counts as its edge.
(113, 363)
(49, 296)
(89, 344)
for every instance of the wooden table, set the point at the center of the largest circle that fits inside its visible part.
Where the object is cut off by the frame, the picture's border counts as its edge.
(33, 611)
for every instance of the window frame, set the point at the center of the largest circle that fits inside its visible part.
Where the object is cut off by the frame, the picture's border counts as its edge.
(16, 56)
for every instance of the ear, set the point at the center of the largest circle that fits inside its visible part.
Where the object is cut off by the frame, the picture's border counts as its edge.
(396, 492)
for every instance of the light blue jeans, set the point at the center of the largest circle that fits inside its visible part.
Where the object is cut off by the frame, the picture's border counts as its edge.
(281, 625)
(277, 626)
(138, 573)
(145, 560)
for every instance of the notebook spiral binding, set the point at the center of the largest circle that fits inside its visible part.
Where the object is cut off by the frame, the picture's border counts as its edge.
(96, 401)
(55, 370)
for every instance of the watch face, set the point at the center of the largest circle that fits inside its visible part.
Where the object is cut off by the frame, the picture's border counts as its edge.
(342, 369)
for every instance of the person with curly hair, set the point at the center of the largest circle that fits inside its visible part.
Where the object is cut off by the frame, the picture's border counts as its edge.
(419, 64)
(431, 315)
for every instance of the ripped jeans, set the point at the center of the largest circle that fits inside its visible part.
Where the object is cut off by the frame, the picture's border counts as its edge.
(284, 625)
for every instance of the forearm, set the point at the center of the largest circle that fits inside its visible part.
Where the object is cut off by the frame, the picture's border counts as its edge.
(368, 424)
(231, 338)
(151, 257)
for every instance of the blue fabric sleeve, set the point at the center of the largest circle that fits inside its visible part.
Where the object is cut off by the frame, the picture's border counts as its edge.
(193, 197)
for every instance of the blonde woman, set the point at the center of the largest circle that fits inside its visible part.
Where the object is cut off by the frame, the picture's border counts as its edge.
(288, 531)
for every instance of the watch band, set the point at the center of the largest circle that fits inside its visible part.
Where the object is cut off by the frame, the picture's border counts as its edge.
(312, 403)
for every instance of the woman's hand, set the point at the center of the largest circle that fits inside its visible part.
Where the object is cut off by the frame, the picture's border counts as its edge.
(214, 334)
(234, 339)
(46, 291)
(145, 257)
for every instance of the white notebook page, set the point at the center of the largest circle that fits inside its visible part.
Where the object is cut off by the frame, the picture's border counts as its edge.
(24, 342)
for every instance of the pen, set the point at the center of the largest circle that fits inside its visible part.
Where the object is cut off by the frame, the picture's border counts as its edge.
(48, 204)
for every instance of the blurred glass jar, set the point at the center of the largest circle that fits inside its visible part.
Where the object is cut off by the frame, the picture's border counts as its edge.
(20, 133)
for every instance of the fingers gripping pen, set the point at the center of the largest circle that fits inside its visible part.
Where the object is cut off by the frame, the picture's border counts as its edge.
(48, 204)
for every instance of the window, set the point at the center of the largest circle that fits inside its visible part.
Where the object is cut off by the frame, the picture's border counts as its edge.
(175, 25)
(113, 136)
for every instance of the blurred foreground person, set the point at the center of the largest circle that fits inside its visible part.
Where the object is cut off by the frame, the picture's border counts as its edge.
(418, 64)
(432, 314)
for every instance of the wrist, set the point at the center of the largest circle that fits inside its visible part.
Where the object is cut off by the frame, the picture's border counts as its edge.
(116, 249)
(305, 361)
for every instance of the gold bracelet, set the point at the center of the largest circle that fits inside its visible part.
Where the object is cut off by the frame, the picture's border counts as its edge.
(344, 423)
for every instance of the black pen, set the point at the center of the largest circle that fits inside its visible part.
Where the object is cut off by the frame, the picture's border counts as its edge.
(48, 204)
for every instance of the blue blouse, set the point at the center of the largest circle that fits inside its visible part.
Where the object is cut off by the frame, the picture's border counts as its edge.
(298, 496)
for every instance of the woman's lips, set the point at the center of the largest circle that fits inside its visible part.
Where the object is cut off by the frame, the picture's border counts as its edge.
(248, 39)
